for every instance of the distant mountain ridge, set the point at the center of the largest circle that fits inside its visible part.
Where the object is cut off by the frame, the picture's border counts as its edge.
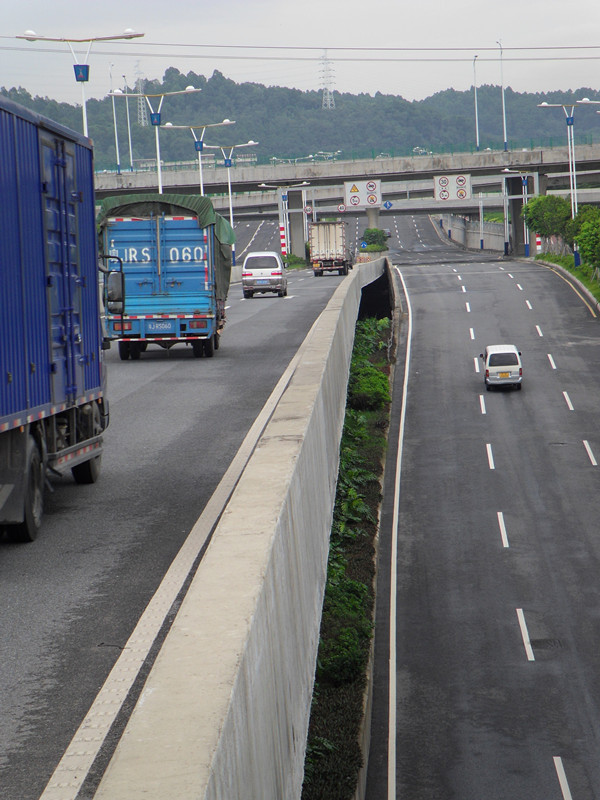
(291, 124)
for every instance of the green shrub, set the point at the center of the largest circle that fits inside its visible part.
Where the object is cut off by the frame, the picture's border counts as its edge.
(368, 388)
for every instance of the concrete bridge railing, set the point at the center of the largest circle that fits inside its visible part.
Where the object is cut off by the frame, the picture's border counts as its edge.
(225, 709)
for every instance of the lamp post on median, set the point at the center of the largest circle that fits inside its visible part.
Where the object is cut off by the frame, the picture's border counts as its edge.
(199, 142)
(155, 119)
(225, 150)
(82, 71)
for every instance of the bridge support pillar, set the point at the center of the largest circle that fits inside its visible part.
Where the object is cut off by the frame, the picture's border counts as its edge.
(372, 217)
(297, 224)
(519, 189)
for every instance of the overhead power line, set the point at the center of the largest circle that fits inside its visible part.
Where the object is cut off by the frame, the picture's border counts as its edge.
(316, 58)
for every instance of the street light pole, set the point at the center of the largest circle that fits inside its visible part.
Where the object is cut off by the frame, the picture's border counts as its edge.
(499, 43)
(199, 142)
(82, 71)
(128, 126)
(476, 110)
(228, 163)
(155, 119)
(569, 111)
(115, 122)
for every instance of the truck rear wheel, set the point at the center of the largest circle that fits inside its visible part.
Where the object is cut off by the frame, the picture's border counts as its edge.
(88, 471)
(33, 505)
(124, 351)
(135, 351)
(209, 348)
(198, 348)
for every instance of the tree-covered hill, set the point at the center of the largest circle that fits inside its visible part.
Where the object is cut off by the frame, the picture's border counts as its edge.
(289, 123)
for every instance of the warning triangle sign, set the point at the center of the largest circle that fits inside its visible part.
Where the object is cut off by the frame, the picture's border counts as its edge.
(354, 189)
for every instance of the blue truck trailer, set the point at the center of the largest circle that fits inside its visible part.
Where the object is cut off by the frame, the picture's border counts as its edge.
(53, 407)
(175, 255)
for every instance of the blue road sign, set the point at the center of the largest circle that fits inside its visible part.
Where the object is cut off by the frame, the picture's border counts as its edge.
(82, 72)
(387, 204)
(363, 245)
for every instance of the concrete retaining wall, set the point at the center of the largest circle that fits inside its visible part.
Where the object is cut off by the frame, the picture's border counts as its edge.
(468, 234)
(224, 713)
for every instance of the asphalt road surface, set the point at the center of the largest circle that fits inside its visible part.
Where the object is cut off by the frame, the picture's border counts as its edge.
(71, 599)
(488, 619)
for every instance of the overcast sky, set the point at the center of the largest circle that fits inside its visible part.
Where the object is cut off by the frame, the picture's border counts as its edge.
(410, 48)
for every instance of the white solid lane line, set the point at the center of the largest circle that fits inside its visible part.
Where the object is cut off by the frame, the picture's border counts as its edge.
(502, 527)
(562, 778)
(588, 449)
(525, 634)
(490, 456)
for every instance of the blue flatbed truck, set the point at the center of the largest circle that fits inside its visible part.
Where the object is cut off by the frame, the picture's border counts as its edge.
(53, 406)
(174, 252)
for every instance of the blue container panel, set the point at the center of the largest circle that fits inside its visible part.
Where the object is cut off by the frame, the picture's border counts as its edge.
(35, 315)
(134, 241)
(88, 268)
(49, 322)
(167, 263)
(23, 322)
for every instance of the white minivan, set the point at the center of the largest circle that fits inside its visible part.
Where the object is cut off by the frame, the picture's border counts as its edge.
(264, 271)
(502, 366)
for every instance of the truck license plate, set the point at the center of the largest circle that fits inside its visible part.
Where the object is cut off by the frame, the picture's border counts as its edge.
(160, 326)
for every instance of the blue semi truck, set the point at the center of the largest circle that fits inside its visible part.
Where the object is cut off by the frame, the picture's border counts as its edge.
(53, 406)
(174, 253)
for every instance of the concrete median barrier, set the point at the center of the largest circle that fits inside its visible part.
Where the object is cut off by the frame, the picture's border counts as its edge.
(225, 710)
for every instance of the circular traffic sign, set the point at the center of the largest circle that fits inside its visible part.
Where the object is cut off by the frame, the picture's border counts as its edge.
(371, 186)
(354, 200)
(341, 208)
(308, 209)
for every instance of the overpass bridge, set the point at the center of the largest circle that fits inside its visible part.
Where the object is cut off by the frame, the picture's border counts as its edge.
(406, 182)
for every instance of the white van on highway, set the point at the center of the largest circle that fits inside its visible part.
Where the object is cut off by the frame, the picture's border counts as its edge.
(502, 366)
(264, 271)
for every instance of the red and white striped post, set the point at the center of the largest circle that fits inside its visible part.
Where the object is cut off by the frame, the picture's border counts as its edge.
(283, 240)
(538, 243)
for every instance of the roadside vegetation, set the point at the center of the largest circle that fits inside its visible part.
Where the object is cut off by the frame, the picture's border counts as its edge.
(376, 241)
(550, 217)
(333, 757)
(295, 262)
